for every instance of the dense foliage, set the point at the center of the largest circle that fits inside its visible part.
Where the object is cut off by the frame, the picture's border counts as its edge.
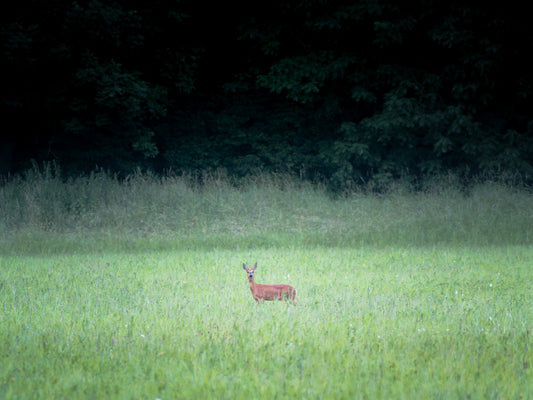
(345, 90)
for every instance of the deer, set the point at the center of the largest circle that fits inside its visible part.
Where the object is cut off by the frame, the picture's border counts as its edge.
(269, 292)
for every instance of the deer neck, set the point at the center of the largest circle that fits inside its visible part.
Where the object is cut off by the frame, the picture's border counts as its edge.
(251, 282)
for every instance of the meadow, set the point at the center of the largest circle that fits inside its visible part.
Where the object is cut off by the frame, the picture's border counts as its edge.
(134, 289)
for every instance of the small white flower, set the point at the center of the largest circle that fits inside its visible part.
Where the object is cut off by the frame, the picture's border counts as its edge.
(142, 335)
(456, 292)
(490, 284)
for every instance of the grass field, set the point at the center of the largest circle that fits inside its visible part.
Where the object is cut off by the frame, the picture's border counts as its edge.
(135, 290)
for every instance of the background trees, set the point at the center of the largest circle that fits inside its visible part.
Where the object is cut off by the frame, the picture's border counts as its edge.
(347, 90)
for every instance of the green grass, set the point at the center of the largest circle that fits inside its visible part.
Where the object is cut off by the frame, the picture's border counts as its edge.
(370, 323)
(136, 290)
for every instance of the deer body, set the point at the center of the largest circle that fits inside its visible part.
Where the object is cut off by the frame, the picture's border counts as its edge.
(269, 292)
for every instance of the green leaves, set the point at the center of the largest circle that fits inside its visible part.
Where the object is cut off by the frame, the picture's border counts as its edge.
(301, 78)
(121, 103)
(340, 90)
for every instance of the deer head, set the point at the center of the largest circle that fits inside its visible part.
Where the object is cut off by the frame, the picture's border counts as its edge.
(250, 271)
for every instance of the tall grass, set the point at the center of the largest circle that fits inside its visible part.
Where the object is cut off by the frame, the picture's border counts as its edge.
(99, 210)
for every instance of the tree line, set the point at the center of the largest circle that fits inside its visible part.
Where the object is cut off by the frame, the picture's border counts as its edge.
(346, 90)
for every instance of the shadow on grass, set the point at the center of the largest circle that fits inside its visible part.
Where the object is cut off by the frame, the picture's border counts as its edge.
(38, 244)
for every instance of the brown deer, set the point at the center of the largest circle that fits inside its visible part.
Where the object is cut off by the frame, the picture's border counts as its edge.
(269, 292)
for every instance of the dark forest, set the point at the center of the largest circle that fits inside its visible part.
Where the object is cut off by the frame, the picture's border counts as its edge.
(340, 90)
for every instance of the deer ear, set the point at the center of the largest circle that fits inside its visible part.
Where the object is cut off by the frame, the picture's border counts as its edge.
(244, 266)
(255, 266)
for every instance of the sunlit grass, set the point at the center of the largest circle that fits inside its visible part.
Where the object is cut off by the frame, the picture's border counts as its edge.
(394, 322)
